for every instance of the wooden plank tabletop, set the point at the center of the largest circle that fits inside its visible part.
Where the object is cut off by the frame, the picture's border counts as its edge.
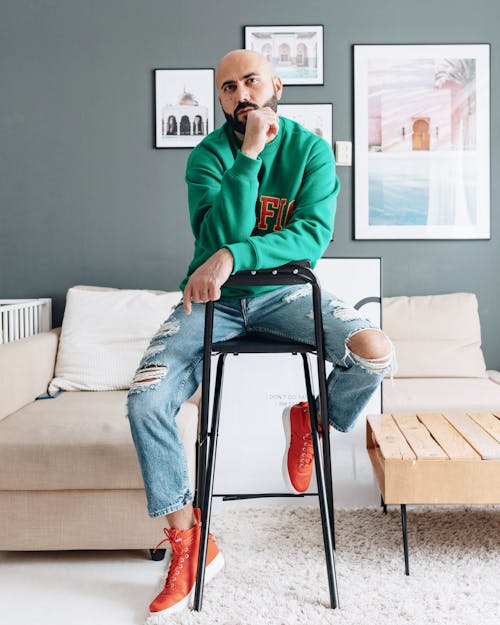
(485, 445)
(489, 422)
(391, 441)
(453, 443)
(434, 436)
(419, 437)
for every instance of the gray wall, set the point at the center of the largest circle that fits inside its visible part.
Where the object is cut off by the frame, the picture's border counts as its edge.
(85, 198)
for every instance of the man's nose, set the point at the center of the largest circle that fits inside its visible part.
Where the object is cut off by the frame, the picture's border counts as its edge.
(243, 93)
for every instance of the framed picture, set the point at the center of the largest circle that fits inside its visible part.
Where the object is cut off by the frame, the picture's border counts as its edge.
(295, 52)
(277, 381)
(315, 117)
(184, 106)
(422, 141)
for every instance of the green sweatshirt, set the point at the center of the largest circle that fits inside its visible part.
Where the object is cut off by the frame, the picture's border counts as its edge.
(267, 211)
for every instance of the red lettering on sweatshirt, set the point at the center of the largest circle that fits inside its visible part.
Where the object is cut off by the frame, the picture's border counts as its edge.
(268, 207)
(289, 211)
(265, 202)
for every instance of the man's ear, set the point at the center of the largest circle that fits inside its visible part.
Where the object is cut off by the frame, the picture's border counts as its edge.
(278, 86)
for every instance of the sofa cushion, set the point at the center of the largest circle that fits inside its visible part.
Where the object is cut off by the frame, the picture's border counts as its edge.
(78, 440)
(104, 335)
(435, 335)
(441, 395)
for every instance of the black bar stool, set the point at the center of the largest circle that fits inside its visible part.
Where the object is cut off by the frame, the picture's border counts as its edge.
(292, 273)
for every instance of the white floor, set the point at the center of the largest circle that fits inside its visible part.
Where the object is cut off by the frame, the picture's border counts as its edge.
(88, 587)
(77, 587)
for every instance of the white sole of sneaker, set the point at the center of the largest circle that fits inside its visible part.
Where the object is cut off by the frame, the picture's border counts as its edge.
(216, 566)
(284, 465)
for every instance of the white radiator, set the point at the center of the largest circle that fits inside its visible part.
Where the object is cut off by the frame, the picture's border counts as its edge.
(20, 318)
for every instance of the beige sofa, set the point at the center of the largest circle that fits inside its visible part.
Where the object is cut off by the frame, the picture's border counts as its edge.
(69, 476)
(441, 366)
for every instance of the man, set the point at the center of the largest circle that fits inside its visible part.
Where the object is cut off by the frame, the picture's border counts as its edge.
(262, 192)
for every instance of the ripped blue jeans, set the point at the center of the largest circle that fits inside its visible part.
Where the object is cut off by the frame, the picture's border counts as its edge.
(171, 370)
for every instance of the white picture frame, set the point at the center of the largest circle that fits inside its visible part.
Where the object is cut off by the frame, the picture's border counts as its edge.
(422, 141)
(318, 118)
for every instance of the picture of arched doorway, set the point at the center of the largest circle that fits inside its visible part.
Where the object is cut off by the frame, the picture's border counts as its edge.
(267, 52)
(420, 136)
(185, 125)
(284, 52)
(171, 126)
(302, 55)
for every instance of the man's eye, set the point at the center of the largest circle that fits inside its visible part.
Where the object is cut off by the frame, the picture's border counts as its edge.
(229, 88)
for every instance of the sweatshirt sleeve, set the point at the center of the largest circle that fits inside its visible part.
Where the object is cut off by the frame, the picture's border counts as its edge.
(310, 227)
(221, 201)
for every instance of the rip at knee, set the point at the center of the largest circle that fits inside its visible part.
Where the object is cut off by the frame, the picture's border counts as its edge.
(148, 377)
(371, 349)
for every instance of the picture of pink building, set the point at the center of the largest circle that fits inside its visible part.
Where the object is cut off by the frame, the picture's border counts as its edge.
(422, 141)
(426, 104)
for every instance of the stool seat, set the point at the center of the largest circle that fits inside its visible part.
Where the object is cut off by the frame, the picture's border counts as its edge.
(254, 343)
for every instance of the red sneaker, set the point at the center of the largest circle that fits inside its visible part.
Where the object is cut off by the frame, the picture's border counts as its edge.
(178, 592)
(299, 451)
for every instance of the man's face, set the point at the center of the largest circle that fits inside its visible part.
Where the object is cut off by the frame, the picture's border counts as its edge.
(245, 82)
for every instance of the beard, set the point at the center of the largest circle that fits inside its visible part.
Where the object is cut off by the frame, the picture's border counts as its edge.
(241, 125)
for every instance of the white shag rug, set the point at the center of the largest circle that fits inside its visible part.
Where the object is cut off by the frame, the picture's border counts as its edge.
(275, 570)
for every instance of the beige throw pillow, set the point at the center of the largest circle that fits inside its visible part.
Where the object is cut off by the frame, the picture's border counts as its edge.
(104, 335)
(435, 335)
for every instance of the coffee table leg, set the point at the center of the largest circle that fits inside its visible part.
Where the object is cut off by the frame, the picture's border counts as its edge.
(383, 504)
(405, 538)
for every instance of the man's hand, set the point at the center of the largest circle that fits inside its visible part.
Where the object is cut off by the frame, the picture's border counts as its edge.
(205, 282)
(262, 127)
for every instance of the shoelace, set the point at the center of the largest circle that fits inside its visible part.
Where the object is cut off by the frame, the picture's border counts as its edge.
(306, 450)
(179, 555)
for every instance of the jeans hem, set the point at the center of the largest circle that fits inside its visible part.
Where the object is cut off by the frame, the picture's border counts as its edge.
(343, 430)
(187, 498)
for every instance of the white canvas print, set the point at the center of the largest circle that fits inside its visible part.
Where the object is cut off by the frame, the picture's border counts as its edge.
(257, 388)
(314, 117)
(295, 52)
(184, 101)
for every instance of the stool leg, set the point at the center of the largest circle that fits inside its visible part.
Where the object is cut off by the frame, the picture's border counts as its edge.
(325, 519)
(201, 445)
(405, 538)
(208, 487)
(323, 393)
(328, 467)
(324, 503)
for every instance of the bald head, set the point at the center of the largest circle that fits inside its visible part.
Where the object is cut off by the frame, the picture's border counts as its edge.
(238, 58)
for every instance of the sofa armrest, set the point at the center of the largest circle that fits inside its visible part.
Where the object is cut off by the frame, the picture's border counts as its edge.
(26, 368)
(494, 376)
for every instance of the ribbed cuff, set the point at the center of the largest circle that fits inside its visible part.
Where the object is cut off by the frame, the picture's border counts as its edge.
(245, 165)
(244, 256)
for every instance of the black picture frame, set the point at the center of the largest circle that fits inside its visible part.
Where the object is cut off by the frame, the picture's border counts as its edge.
(184, 106)
(296, 52)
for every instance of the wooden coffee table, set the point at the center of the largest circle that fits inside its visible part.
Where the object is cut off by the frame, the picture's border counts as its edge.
(431, 458)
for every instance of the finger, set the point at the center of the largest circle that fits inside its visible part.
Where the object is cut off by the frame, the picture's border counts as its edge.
(186, 300)
(213, 292)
